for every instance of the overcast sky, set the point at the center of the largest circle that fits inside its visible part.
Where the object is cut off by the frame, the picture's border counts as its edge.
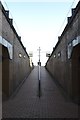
(39, 23)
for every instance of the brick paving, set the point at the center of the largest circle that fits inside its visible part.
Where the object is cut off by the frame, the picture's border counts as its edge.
(25, 102)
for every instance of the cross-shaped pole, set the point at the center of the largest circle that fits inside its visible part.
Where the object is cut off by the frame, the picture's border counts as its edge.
(39, 54)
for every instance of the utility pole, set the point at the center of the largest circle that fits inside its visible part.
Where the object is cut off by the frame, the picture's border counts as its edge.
(39, 77)
(39, 54)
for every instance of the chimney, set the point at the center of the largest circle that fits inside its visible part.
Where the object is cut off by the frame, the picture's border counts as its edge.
(68, 19)
(20, 38)
(11, 21)
(25, 48)
(7, 13)
(73, 11)
(59, 37)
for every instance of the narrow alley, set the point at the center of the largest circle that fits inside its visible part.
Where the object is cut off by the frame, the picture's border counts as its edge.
(52, 103)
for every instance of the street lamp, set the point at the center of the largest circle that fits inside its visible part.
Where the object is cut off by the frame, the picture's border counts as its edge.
(39, 77)
(39, 63)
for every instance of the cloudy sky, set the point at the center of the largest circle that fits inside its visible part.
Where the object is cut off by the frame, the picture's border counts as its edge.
(39, 23)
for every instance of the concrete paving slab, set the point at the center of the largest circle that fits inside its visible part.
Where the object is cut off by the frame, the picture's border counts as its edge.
(51, 104)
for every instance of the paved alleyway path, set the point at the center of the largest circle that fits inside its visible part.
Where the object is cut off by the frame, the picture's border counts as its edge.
(52, 103)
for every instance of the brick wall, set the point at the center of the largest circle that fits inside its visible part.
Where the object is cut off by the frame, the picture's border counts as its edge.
(59, 65)
(19, 65)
